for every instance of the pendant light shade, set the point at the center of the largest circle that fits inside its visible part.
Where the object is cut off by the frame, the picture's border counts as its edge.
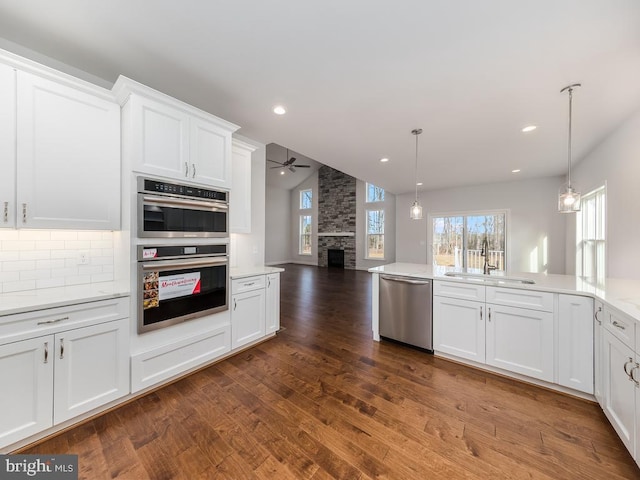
(569, 197)
(416, 209)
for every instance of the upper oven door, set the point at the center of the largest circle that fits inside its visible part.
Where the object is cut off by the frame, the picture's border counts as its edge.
(165, 217)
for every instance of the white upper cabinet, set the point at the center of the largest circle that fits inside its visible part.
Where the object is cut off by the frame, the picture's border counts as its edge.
(7, 146)
(68, 156)
(240, 199)
(167, 138)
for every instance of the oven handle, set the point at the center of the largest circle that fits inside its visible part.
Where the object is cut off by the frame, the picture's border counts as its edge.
(175, 264)
(180, 202)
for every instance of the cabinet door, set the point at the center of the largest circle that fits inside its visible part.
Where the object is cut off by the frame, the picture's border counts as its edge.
(273, 302)
(240, 198)
(459, 328)
(7, 146)
(210, 154)
(26, 376)
(619, 390)
(91, 368)
(575, 342)
(247, 317)
(160, 135)
(598, 358)
(68, 151)
(520, 340)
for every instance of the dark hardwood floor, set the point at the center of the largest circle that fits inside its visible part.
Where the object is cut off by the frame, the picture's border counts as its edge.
(322, 400)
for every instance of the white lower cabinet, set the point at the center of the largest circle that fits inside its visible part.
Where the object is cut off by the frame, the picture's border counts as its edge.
(71, 366)
(620, 391)
(273, 303)
(575, 342)
(520, 340)
(459, 328)
(255, 308)
(598, 363)
(247, 317)
(91, 368)
(26, 370)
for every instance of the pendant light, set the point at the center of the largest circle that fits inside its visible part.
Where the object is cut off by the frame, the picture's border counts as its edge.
(416, 208)
(569, 198)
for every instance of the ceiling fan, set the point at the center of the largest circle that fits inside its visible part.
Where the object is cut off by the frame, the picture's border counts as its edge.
(289, 163)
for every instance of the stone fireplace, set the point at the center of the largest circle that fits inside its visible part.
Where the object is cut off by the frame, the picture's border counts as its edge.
(336, 216)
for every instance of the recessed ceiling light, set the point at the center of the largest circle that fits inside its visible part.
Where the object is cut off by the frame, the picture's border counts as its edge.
(419, 184)
(529, 128)
(515, 171)
(384, 160)
(279, 110)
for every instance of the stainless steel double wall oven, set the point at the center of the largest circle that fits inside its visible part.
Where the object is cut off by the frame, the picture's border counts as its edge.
(177, 281)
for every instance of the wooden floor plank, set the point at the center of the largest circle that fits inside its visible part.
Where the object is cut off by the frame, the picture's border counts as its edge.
(322, 400)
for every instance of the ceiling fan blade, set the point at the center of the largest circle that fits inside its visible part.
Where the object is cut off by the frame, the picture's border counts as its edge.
(271, 168)
(273, 161)
(292, 169)
(303, 166)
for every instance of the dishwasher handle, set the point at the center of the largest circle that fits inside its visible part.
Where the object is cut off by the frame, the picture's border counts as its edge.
(405, 280)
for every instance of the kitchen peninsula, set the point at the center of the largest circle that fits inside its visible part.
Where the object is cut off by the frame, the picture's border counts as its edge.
(561, 332)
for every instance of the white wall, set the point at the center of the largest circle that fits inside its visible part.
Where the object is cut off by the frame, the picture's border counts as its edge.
(278, 237)
(247, 249)
(389, 206)
(615, 161)
(309, 183)
(534, 226)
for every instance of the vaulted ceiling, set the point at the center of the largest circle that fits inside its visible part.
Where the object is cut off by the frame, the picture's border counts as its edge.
(357, 76)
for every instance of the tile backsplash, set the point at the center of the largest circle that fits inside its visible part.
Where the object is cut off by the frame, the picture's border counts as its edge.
(35, 259)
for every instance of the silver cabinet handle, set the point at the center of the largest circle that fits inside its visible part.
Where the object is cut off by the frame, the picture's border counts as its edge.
(595, 315)
(249, 284)
(46, 352)
(268, 282)
(61, 348)
(618, 325)
(480, 312)
(24, 213)
(628, 362)
(234, 304)
(633, 377)
(53, 321)
(186, 169)
(193, 173)
(5, 214)
(489, 310)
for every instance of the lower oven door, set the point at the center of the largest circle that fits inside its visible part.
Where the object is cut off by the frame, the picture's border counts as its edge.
(173, 291)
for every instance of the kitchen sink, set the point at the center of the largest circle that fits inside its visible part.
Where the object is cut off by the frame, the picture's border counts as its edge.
(491, 278)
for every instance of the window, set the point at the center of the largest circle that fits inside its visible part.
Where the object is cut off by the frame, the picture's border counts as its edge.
(375, 234)
(306, 197)
(457, 240)
(590, 235)
(374, 194)
(305, 235)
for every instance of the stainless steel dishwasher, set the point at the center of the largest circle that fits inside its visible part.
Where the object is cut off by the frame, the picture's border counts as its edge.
(405, 309)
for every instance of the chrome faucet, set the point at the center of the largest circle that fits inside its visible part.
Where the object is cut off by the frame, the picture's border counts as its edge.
(485, 253)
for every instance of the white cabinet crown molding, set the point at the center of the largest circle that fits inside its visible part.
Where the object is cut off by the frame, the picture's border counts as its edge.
(30, 66)
(125, 86)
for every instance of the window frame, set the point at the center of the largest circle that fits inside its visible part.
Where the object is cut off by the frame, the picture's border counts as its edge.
(302, 235)
(367, 234)
(599, 245)
(376, 188)
(470, 213)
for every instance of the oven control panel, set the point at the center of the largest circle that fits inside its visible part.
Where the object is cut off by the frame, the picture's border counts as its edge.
(147, 185)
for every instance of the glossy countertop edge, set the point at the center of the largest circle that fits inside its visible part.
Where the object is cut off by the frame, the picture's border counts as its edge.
(32, 300)
(244, 272)
(621, 294)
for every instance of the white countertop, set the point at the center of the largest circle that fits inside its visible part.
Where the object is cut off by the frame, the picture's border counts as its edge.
(31, 300)
(621, 294)
(250, 271)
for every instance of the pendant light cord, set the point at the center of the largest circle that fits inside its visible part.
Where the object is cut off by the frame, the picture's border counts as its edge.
(416, 172)
(569, 146)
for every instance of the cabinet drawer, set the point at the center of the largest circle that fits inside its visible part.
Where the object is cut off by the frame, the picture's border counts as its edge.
(514, 297)
(466, 291)
(621, 326)
(239, 285)
(44, 322)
